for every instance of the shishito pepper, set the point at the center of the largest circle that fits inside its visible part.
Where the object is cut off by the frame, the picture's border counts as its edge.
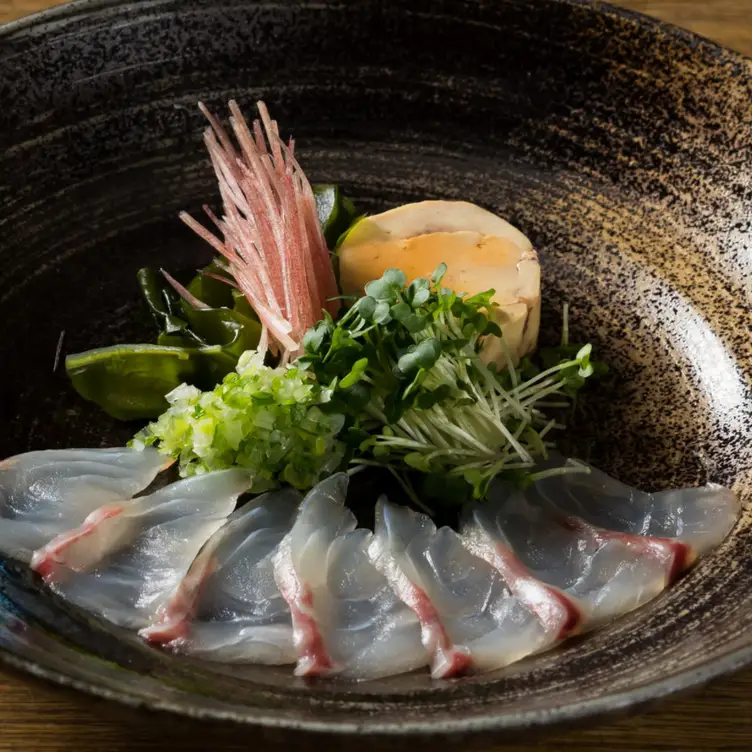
(130, 381)
(195, 346)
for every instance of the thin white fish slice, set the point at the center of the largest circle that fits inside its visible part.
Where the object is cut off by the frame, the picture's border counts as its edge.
(300, 572)
(228, 607)
(699, 518)
(469, 618)
(125, 561)
(45, 493)
(369, 632)
(602, 576)
(346, 618)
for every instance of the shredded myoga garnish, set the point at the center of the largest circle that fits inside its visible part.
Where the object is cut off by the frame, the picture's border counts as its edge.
(319, 342)
(272, 241)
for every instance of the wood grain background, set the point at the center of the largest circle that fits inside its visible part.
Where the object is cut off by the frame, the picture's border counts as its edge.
(37, 717)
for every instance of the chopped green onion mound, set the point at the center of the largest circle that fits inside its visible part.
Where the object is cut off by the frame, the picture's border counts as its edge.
(265, 419)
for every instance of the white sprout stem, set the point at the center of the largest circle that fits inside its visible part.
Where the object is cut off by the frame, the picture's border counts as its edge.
(411, 430)
(554, 471)
(396, 441)
(534, 398)
(550, 425)
(509, 397)
(428, 429)
(510, 364)
(447, 426)
(454, 451)
(565, 324)
(545, 374)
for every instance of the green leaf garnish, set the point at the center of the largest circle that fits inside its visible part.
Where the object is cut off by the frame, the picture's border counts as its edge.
(425, 398)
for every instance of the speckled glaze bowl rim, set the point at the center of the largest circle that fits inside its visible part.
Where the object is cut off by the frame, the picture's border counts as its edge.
(631, 700)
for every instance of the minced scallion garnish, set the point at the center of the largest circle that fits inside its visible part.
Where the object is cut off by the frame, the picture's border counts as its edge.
(261, 418)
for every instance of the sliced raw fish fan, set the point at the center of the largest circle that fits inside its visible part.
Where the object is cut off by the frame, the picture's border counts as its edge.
(690, 521)
(346, 617)
(228, 607)
(468, 617)
(602, 576)
(45, 493)
(125, 561)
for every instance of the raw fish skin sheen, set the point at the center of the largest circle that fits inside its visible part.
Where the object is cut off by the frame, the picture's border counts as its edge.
(602, 576)
(347, 619)
(126, 559)
(469, 618)
(44, 493)
(282, 581)
(691, 520)
(228, 607)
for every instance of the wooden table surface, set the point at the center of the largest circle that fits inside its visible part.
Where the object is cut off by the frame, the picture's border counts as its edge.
(35, 716)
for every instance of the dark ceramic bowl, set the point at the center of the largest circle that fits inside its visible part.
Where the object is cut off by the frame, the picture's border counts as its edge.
(621, 146)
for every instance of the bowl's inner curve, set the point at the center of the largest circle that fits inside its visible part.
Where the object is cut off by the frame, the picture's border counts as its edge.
(621, 150)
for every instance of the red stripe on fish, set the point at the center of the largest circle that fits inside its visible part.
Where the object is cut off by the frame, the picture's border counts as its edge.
(175, 621)
(676, 555)
(48, 560)
(557, 612)
(313, 656)
(448, 660)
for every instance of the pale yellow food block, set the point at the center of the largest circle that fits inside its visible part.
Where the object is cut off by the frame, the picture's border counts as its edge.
(481, 251)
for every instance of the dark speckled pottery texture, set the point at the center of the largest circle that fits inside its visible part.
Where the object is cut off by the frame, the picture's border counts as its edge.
(622, 147)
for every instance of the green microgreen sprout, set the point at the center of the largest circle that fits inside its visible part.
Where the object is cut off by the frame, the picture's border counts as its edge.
(403, 364)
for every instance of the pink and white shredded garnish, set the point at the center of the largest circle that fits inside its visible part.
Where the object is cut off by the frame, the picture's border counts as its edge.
(271, 237)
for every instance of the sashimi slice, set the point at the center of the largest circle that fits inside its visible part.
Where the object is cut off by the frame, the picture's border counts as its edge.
(125, 561)
(299, 572)
(469, 618)
(346, 618)
(603, 577)
(369, 631)
(228, 607)
(689, 521)
(45, 493)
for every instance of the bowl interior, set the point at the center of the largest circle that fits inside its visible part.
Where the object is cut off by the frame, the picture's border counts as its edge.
(620, 147)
